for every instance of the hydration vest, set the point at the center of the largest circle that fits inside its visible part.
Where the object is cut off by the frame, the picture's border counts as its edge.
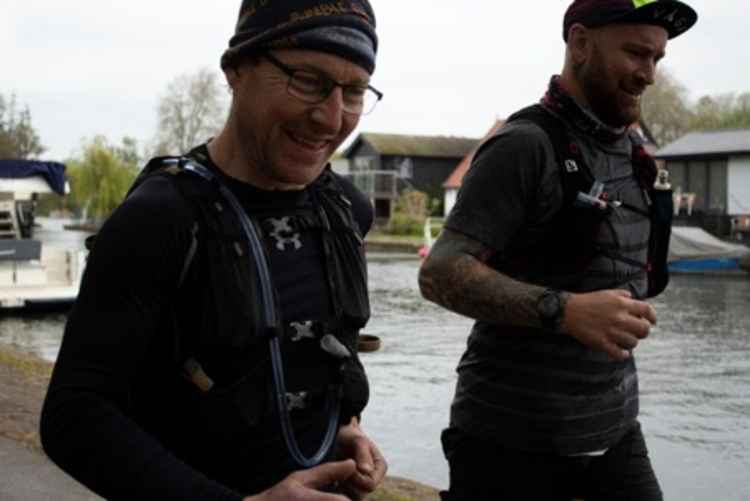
(240, 290)
(542, 391)
(585, 207)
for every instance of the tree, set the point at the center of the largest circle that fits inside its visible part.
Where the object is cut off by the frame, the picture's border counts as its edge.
(100, 178)
(128, 151)
(669, 116)
(665, 108)
(726, 111)
(191, 111)
(18, 138)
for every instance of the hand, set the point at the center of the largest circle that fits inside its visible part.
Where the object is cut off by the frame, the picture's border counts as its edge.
(303, 485)
(609, 320)
(352, 442)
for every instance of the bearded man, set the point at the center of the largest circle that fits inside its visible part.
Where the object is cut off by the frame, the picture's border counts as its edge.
(557, 239)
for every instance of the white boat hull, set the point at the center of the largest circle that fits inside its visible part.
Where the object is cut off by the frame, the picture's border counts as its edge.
(53, 280)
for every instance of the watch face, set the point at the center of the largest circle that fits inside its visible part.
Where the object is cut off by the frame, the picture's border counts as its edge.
(549, 305)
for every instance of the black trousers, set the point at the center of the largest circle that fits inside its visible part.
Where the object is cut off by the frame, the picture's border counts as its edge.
(483, 470)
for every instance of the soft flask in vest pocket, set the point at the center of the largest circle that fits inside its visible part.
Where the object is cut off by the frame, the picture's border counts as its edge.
(658, 246)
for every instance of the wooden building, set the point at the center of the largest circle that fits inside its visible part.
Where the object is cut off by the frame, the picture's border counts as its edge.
(384, 165)
(710, 174)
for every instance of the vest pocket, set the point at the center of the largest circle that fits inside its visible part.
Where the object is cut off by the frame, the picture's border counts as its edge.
(227, 406)
(356, 389)
(658, 244)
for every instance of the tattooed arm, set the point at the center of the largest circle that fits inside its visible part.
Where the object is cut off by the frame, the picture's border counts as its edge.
(455, 275)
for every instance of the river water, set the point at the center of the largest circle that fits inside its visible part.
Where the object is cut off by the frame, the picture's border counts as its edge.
(694, 375)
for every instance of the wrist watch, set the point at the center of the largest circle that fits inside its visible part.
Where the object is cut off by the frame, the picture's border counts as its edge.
(550, 307)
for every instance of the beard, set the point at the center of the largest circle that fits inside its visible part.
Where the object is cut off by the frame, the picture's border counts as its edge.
(603, 93)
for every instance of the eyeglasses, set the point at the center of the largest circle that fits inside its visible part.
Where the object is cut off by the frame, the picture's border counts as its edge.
(313, 88)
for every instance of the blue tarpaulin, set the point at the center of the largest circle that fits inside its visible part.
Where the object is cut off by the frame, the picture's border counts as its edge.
(52, 172)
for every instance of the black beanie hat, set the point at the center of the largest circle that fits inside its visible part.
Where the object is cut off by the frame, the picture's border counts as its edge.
(345, 28)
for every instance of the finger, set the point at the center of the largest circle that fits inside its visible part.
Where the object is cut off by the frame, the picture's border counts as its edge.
(635, 326)
(367, 482)
(615, 352)
(643, 310)
(360, 484)
(381, 466)
(353, 492)
(363, 455)
(624, 340)
(326, 474)
(650, 314)
(622, 293)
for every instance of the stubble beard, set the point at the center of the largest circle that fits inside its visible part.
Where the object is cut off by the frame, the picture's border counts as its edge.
(604, 101)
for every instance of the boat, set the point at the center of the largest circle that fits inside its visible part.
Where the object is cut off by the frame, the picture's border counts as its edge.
(33, 274)
(694, 250)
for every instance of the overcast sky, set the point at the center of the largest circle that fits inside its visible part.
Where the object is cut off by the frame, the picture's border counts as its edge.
(447, 67)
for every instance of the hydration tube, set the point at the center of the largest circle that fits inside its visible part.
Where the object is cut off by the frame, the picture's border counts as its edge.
(333, 399)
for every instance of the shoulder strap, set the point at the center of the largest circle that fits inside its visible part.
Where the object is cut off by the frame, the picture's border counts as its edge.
(158, 165)
(574, 173)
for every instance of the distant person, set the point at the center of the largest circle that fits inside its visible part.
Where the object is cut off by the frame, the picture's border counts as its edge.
(212, 351)
(555, 243)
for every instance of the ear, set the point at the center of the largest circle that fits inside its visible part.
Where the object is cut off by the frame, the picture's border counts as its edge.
(233, 76)
(580, 41)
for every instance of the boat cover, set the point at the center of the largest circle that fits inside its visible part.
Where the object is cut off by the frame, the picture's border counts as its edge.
(20, 250)
(52, 172)
(690, 243)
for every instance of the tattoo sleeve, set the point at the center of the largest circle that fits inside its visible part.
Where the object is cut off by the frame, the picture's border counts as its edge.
(455, 275)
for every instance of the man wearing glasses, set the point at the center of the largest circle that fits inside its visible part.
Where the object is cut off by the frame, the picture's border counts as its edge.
(212, 351)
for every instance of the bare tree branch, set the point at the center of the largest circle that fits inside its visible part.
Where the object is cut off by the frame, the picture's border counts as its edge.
(191, 111)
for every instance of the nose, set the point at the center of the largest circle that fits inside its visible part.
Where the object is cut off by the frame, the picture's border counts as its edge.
(647, 72)
(328, 115)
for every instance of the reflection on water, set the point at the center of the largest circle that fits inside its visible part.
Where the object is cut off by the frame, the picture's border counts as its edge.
(694, 375)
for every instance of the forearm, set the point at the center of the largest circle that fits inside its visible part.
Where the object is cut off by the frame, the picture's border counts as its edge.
(90, 438)
(463, 283)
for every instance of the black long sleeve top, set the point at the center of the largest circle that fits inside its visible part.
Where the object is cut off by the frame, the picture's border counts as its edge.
(118, 416)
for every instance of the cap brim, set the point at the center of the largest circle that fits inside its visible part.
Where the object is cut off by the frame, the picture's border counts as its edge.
(672, 15)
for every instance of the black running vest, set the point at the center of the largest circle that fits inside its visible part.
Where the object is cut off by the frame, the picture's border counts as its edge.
(548, 392)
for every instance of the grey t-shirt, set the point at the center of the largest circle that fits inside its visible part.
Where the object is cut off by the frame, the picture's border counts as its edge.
(541, 391)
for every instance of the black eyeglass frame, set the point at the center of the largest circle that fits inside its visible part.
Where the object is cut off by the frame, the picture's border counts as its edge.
(330, 84)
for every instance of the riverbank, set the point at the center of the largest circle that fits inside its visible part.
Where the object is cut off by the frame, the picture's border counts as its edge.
(23, 383)
(375, 241)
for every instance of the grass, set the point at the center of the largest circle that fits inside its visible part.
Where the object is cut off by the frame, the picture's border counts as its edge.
(29, 366)
(375, 236)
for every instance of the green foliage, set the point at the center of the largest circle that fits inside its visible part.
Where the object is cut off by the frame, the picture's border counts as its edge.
(402, 224)
(665, 108)
(726, 111)
(100, 178)
(409, 214)
(18, 138)
(669, 115)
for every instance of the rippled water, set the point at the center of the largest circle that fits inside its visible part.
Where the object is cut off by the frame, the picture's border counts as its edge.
(694, 374)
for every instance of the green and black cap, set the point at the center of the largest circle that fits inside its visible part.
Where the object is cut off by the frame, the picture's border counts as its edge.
(674, 16)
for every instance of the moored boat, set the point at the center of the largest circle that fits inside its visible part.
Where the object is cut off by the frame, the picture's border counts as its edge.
(694, 250)
(33, 274)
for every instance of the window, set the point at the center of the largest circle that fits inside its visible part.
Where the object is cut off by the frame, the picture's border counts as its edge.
(698, 172)
(678, 176)
(406, 168)
(364, 163)
(717, 175)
